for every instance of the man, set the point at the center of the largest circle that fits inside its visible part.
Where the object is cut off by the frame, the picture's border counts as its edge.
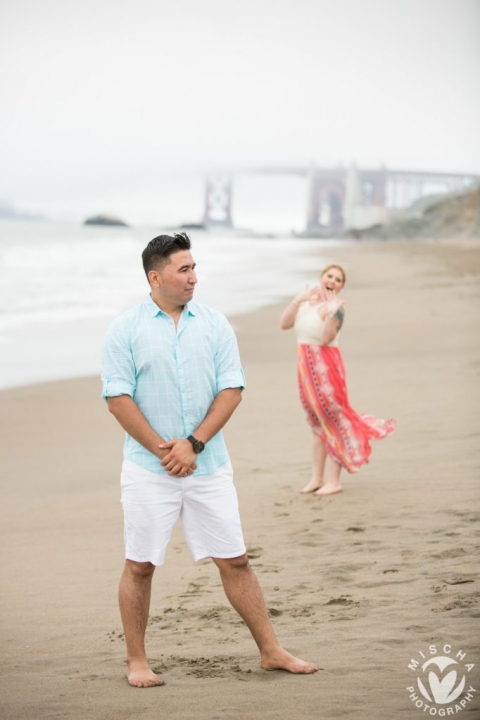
(172, 378)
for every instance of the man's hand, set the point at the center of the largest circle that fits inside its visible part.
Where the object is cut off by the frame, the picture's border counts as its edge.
(178, 457)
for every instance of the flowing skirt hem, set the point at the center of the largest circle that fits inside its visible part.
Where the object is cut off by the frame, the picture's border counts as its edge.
(322, 385)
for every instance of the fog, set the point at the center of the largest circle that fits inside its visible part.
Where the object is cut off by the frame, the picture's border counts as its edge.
(120, 104)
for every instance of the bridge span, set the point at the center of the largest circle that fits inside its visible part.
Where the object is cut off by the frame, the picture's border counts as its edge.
(340, 198)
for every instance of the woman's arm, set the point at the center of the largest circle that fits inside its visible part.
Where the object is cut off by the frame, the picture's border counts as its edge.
(333, 321)
(288, 316)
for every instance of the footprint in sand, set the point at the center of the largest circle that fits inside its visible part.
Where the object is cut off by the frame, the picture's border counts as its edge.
(254, 553)
(460, 603)
(342, 600)
(218, 666)
(268, 568)
(467, 602)
(298, 612)
(368, 584)
(417, 628)
(197, 586)
(273, 612)
(452, 553)
(113, 636)
(467, 515)
(215, 613)
(459, 579)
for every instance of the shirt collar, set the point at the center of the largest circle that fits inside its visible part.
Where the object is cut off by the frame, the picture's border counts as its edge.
(154, 310)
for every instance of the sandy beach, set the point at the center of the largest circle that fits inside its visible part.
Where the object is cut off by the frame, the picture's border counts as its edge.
(359, 582)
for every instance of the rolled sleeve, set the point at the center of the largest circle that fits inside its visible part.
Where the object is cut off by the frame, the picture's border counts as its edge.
(229, 371)
(113, 388)
(234, 379)
(118, 367)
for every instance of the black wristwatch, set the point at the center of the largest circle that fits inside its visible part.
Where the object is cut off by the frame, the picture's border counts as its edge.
(198, 445)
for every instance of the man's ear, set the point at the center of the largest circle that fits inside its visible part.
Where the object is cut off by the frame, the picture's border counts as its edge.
(154, 278)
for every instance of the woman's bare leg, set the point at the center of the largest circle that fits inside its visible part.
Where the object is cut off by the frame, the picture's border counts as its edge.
(332, 484)
(319, 456)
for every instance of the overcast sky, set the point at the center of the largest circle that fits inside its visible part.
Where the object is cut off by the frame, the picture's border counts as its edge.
(119, 98)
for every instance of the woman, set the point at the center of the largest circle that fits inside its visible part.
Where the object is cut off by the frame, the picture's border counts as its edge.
(338, 431)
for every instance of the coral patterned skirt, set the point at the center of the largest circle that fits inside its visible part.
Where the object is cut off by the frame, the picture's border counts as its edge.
(323, 393)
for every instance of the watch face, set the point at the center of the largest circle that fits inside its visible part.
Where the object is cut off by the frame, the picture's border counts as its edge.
(197, 445)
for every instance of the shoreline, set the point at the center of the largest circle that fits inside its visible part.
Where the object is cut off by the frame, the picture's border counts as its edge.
(94, 328)
(60, 336)
(359, 582)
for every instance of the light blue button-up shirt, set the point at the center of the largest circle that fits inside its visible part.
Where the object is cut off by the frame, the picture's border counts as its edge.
(172, 373)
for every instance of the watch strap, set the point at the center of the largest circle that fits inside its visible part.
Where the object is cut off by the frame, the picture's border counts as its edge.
(197, 445)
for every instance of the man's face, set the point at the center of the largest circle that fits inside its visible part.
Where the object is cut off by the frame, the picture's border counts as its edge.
(175, 281)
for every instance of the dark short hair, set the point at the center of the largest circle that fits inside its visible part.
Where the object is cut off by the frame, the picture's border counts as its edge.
(160, 248)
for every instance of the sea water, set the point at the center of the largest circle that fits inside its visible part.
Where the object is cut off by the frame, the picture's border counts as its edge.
(61, 284)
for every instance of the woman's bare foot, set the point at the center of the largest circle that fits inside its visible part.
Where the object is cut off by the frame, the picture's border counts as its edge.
(280, 659)
(311, 487)
(329, 489)
(141, 676)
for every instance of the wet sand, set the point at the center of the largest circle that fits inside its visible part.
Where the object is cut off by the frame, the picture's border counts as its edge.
(359, 582)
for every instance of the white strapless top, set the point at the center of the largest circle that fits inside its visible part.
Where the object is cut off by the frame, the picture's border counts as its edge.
(308, 325)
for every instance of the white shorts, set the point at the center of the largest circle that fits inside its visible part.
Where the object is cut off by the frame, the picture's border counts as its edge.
(207, 505)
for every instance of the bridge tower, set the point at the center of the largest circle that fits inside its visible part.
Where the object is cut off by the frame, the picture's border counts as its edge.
(326, 198)
(218, 201)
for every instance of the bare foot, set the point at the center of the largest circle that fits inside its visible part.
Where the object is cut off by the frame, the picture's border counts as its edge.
(280, 659)
(311, 487)
(329, 489)
(141, 676)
